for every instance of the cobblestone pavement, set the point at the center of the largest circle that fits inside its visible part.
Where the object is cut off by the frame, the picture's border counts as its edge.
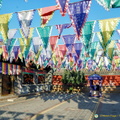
(109, 107)
(49, 106)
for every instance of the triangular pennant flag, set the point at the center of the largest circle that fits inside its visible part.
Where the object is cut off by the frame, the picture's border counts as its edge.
(87, 33)
(31, 30)
(94, 49)
(107, 27)
(116, 4)
(25, 19)
(11, 33)
(53, 41)
(63, 6)
(69, 41)
(78, 13)
(78, 48)
(5, 52)
(0, 3)
(37, 42)
(38, 54)
(4, 19)
(27, 48)
(11, 45)
(46, 14)
(61, 27)
(48, 53)
(110, 50)
(44, 34)
(22, 45)
(107, 4)
(16, 51)
(62, 50)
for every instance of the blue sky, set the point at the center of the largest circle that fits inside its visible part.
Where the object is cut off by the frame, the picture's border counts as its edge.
(97, 12)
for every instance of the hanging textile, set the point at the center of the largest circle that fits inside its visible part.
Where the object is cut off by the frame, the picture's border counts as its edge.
(63, 6)
(62, 51)
(107, 27)
(5, 52)
(78, 48)
(108, 4)
(78, 13)
(48, 53)
(11, 33)
(37, 42)
(4, 20)
(90, 64)
(110, 50)
(25, 19)
(53, 41)
(69, 41)
(116, 4)
(27, 48)
(44, 34)
(38, 54)
(16, 51)
(46, 14)
(94, 48)
(61, 27)
(22, 45)
(118, 31)
(87, 34)
(31, 31)
(1, 43)
(11, 45)
(0, 3)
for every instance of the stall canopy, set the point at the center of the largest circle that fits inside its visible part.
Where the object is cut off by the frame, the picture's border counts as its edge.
(95, 77)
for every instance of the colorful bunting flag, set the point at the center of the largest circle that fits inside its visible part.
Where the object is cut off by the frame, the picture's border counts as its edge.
(78, 13)
(63, 6)
(46, 14)
(44, 34)
(37, 42)
(78, 48)
(69, 41)
(62, 50)
(16, 51)
(53, 41)
(61, 27)
(107, 27)
(25, 19)
(4, 20)
(108, 4)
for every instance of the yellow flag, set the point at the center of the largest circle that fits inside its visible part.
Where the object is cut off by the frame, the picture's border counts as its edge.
(1, 50)
(22, 45)
(110, 49)
(4, 19)
(107, 28)
(38, 54)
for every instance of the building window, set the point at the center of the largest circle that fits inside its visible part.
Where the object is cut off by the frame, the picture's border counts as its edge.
(28, 79)
(41, 79)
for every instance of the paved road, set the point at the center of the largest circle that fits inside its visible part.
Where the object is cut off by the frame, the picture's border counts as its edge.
(49, 106)
(109, 107)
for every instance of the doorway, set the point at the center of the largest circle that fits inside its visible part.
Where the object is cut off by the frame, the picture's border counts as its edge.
(6, 85)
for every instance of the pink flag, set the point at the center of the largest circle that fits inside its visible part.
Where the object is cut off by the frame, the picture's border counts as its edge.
(53, 41)
(62, 50)
(46, 14)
